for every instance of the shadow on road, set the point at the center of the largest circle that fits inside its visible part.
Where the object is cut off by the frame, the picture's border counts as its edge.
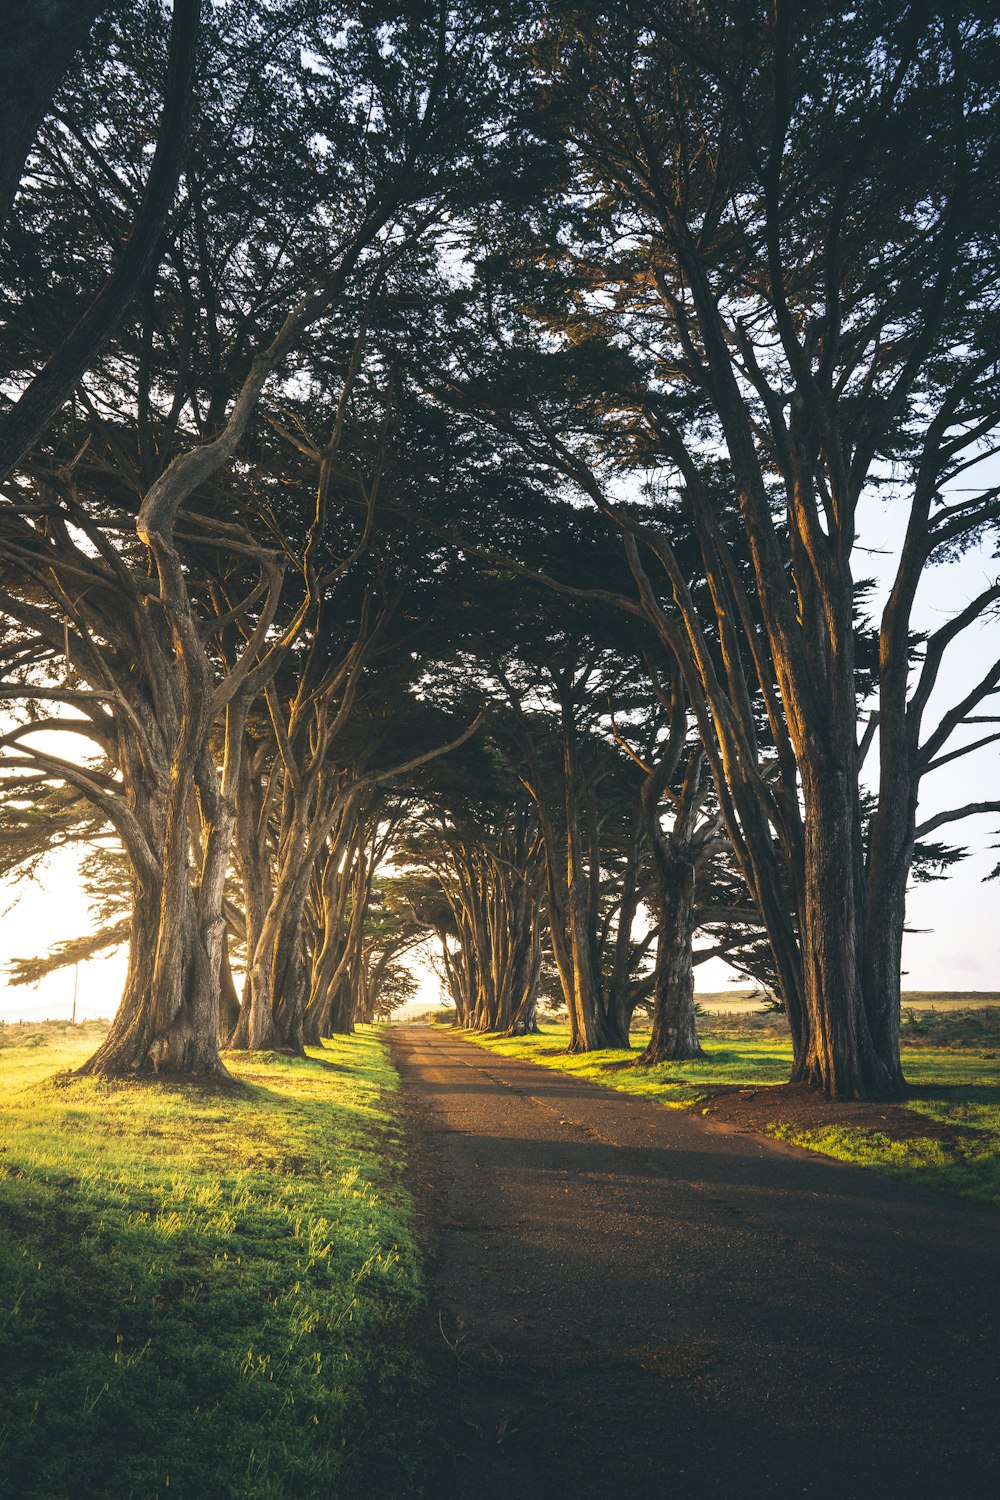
(626, 1301)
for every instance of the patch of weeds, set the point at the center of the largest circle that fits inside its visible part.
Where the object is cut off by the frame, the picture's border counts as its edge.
(951, 1028)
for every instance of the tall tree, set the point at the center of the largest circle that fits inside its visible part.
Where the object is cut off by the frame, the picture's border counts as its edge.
(783, 221)
(310, 178)
(475, 835)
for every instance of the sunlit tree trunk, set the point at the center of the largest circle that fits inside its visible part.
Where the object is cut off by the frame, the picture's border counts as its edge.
(674, 1034)
(168, 1019)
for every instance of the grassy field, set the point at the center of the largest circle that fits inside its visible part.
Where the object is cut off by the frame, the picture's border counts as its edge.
(947, 1136)
(746, 999)
(204, 1292)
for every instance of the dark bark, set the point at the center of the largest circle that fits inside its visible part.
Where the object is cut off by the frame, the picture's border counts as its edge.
(526, 1023)
(891, 844)
(677, 855)
(253, 862)
(572, 914)
(27, 419)
(229, 1000)
(622, 994)
(291, 989)
(343, 1000)
(674, 1034)
(838, 1056)
(41, 39)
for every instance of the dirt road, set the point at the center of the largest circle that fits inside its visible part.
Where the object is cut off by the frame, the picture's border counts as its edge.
(628, 1301)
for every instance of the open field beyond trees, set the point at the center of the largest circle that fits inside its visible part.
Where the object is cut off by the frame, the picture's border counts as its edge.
(747, 1001)
(204, 1290)
(945, 1135)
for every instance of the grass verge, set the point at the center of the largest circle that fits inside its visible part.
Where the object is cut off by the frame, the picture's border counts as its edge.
(947, 1136)
(205, 1292)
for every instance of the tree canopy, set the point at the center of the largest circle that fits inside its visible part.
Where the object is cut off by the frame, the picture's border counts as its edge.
(433, 448)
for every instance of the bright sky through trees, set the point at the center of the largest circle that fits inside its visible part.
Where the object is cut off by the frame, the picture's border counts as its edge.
(954, 942)
(678, 312)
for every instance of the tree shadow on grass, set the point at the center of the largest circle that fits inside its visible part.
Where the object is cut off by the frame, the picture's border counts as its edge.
(173, 1082)
(954, 1093)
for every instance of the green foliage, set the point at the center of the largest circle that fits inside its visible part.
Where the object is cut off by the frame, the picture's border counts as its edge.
(61, 817)
(203, 1292)
(956, 1088)
(397, 987)
(37, 818)
(63, 955)
(952, 1028)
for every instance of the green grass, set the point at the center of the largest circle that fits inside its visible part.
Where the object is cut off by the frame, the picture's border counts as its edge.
(205, 1292)
(736, 1059)
(953, 1064)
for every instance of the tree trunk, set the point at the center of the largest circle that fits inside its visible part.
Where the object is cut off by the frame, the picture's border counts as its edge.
(290, 988)
(620, 1004)
(273, 1017)
(674, 1036)
(333, 881)
(229, 1000)
(168, 1017)
(42, 38)
(316, 1018)
(838, 1056)
(590, 1028)
(343, 1002)
(890, 855)
(253, 860)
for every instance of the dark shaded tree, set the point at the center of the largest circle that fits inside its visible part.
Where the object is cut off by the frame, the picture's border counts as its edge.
(774, 236)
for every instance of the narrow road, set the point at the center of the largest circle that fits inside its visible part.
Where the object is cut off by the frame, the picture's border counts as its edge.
(629, 1301)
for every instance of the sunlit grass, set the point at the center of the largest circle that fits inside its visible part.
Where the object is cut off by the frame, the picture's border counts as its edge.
(204, 1292)
(738, 1060)
(29, 1053)
(959, 1086)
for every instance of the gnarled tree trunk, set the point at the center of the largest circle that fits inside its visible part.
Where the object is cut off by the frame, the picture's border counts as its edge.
(674, 1036)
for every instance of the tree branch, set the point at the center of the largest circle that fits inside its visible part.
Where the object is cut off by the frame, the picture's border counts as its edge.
(971, 809)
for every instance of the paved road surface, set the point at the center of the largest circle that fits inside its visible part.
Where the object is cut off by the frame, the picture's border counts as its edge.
(627, 1301)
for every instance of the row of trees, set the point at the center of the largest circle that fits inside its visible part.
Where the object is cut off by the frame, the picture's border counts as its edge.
(440, 436)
